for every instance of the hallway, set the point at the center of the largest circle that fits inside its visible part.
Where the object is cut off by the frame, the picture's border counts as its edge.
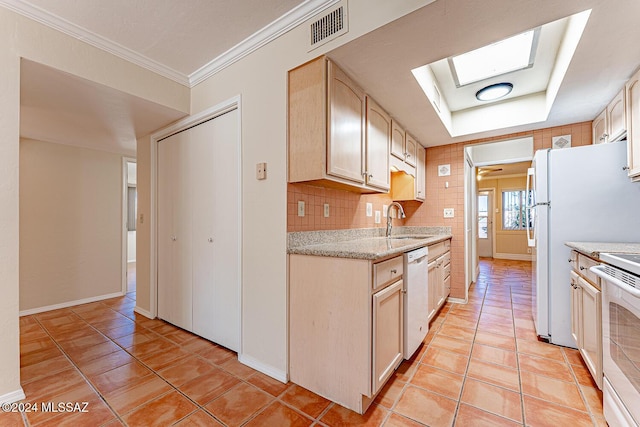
(481, 365)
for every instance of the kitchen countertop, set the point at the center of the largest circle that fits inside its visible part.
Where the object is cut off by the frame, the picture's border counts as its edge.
(365, 243)
(594, 249)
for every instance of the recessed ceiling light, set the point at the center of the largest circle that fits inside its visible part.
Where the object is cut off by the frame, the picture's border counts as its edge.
(511, 54)
(493, 92)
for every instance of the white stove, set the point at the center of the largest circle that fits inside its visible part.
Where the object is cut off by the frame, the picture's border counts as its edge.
(621, 337)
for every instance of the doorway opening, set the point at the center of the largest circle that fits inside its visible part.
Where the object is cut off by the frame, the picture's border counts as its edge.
(129, 215)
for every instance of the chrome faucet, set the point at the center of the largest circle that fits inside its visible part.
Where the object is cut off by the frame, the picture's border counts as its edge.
(400, 215)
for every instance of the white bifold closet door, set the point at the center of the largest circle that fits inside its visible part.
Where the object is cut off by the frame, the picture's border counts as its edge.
(199, 230)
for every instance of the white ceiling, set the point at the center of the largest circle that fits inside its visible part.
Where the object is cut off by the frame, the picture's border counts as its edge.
(382, 60)
(183, 39)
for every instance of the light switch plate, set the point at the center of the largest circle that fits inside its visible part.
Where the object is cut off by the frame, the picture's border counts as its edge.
(448, 212)
(369, 209)
(377, 217)
(326, 210)
(384, 210)
(301, 208)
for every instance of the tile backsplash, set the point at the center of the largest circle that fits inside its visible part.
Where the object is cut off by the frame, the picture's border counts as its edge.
(346, 209)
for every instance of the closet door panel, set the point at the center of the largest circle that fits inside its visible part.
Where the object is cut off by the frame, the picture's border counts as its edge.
(174, 232)
(165, 230)
(182, 219)
(216, 216)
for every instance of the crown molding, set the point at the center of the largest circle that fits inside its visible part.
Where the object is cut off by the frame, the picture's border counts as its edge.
(57, 23)
(267, 34)
(262, 37)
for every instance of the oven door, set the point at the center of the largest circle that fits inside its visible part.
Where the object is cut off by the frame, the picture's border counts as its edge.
(621, 340)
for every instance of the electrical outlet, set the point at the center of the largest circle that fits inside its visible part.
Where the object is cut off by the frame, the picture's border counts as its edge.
(377, 217)
(448, 213)
(384, 210)
(369, 209)
(300, 208)
(261, 171)
(326, 210)
(528, 250)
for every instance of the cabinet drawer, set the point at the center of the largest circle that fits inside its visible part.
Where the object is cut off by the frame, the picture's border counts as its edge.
(387, 271)
(573, 260)
(584, 264)
(446, 258)
(446, 270)
(438, 249)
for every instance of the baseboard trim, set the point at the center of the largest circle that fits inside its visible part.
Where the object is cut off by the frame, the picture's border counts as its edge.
(143, 312)
(457, 300)
(11, 397)
(277, 374)
(69, 304)
(514, 257)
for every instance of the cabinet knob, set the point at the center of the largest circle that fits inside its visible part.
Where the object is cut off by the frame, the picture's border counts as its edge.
(173, 238)
(394, 271)
(570, 260)
(625, 168)
(210, 240)
(582, 268)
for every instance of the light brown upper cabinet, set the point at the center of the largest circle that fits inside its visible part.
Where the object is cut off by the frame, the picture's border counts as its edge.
(403, 146)
(632, 89)
(327, 140)
(611, 123)
(378, 141)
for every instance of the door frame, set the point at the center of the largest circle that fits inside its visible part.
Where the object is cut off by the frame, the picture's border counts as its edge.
(492, 215)
(210, 113)
(125, 215)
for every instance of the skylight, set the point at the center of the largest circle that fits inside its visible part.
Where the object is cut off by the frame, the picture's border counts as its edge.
(514, 53)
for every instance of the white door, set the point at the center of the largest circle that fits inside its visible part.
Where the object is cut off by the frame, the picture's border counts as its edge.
(174, 231)
(485, 224)
(199, 229)
(216, 230)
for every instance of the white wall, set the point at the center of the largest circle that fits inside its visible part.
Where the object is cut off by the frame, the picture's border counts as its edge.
(131, 246)
(261, 80)
(70, 222)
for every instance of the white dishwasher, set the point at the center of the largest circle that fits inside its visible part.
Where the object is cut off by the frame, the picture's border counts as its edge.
(416, 299)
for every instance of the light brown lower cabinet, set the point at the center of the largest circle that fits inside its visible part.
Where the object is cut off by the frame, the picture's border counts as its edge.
(345, 326)
(439, 276)
(586, 316)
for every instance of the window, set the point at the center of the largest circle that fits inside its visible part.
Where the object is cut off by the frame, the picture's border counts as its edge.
(132, 208)
(513, 209)
(483, 216)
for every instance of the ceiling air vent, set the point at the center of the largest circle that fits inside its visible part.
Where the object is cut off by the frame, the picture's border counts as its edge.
(333, 23)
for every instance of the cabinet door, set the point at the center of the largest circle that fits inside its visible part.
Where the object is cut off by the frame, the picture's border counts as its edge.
(410, 147)
(441, 276)
(345, 145)
(421, 179)
(591, 346)
(397, 140)
(378, 141)
(433, 284)
(387, 332)
(616, 117)
(576, 313)
(633, 125)
(600, 128)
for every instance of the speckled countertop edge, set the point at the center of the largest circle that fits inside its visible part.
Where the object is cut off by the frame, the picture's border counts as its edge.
(367, 243)
(594, 249)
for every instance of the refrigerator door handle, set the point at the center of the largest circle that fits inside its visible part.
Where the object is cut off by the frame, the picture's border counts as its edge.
(531, 236)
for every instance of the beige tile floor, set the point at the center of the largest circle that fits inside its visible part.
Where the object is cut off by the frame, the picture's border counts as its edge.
(480, 365)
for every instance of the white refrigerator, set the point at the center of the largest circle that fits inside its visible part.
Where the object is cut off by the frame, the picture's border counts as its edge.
(578, 194)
